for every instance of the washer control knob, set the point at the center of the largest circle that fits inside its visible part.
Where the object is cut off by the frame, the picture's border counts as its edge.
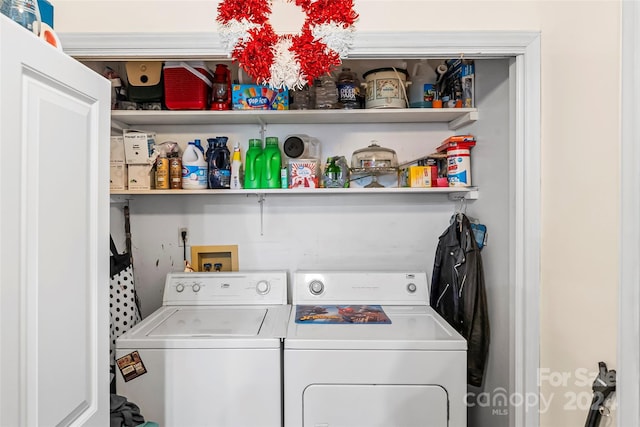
(316, 287)
(411, 287)
(179, 287)
(263, 287)
(195, 287)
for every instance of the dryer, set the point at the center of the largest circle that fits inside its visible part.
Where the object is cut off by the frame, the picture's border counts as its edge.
(364, 348)
(212, 354)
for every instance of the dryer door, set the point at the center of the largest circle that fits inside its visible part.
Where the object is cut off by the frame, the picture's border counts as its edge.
(374, 405)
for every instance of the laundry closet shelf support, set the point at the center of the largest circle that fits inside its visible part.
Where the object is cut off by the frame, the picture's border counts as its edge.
(455, 117)
(454, 193)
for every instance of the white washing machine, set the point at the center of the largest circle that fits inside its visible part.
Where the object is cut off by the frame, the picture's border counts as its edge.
(366, 349)
(212, 354)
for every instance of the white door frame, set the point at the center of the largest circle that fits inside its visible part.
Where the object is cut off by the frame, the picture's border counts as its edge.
(524, 47)
(628, 371)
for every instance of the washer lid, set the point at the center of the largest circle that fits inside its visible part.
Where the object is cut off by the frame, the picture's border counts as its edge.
(190, 322)
(411, 328)
(209, 327)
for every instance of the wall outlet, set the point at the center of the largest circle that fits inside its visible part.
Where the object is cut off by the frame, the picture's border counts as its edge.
(181, 242)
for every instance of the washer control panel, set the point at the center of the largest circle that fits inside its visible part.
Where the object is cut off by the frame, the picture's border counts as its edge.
(226, 288)
(358, 287)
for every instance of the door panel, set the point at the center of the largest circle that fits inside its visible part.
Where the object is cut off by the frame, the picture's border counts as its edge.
(54, 231)
(375, 405)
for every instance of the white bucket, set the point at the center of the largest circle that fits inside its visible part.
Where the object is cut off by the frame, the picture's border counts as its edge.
(386, 88)
(459, 167)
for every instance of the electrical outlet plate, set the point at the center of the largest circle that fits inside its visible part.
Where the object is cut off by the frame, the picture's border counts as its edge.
(180, 242)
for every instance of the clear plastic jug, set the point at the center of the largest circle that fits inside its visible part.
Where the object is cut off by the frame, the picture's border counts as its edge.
(24, 12)
(423, 79)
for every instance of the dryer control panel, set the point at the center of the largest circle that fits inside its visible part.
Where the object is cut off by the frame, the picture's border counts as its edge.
(226, 288)
(360, 287)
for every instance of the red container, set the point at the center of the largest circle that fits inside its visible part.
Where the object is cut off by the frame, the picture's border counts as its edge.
(187, 85)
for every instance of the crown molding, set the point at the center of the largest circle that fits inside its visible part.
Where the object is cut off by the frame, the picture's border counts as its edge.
(381, 45)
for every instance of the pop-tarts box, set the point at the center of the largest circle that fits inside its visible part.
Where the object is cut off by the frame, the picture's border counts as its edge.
(258, 97)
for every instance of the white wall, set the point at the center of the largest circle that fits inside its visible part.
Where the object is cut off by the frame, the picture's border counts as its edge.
(580, 148)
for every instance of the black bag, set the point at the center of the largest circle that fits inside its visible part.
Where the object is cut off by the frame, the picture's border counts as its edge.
(124, 307)
(119, 262)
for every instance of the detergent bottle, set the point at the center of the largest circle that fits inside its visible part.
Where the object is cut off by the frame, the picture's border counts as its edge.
(194, 168)
(422, 86)
(253, 164)
(219, 162)
(236, 168)
(197, 143)
(272, 164)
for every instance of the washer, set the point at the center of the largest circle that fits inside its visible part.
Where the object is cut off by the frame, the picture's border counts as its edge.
(212, 354)
(366, 349)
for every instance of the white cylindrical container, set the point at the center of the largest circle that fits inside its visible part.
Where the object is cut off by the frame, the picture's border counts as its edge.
(459, 167)
(194, 168)
(386, 88)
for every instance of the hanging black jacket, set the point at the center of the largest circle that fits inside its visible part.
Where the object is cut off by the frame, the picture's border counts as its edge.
(458, 293)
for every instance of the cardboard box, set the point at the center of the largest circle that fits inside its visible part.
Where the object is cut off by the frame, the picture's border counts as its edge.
(139, 177)
(257, 97)
(46, 12)
(468, 91)
(460, 80)
(457, 141)
(118, 176)
(418, 176)
(304, 173)
(117, 149)
(138, 146)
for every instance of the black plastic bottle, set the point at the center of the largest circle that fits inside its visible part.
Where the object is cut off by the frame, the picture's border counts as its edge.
(218, 163)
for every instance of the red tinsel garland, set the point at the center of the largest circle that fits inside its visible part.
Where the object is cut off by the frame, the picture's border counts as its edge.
(256, 47)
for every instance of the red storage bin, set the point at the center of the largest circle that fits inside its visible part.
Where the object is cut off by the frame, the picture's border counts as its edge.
(187, 86)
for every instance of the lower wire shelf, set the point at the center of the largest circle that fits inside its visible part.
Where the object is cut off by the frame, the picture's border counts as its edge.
(469, 193)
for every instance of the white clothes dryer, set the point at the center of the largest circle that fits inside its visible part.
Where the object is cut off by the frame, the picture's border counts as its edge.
(366, 349)
(212, 354)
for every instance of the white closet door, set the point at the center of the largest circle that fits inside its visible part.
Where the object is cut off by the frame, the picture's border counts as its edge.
(54, 330)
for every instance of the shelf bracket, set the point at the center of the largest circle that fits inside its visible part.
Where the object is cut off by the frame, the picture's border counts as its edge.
(116, 199)
(463, 120)
(471, 194)
(261, 199)
(263, 128)
(117, 125)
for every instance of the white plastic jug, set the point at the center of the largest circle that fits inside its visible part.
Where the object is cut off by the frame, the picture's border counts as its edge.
(194, 168)
(423, 79)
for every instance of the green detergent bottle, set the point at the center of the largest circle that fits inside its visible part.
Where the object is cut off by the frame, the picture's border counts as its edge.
(253, 164)
(272, 164)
